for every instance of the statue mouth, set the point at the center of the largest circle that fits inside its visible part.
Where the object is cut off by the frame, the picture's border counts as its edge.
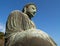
(34, 13)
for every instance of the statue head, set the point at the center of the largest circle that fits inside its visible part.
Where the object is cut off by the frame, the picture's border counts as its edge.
(30, 10)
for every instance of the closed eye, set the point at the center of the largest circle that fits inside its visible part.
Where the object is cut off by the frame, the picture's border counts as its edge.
(33, 8)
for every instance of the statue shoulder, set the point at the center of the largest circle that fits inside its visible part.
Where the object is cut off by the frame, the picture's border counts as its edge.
(18, 12)
(15, 12)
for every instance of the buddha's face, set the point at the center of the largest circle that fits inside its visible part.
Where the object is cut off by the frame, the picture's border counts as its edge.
(31, 9)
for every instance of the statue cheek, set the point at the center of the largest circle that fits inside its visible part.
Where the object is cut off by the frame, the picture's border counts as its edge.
(30, 10)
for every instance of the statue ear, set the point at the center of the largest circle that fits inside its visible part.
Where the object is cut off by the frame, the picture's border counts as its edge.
(25, 9)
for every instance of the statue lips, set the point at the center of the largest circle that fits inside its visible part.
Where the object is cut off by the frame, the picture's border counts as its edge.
(34, 13)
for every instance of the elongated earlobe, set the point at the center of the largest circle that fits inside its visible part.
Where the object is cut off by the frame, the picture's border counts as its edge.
(25, 10)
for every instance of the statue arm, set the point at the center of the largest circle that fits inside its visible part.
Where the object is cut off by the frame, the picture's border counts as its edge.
(14, 22)
(13, 25)
(18, 21)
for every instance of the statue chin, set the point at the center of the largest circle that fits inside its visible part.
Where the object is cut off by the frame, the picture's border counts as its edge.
(32, 14)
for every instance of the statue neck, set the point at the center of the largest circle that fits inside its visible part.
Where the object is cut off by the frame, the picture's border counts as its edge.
(29, 15)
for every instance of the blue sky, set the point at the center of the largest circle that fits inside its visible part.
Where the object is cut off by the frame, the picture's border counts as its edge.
(47, 17)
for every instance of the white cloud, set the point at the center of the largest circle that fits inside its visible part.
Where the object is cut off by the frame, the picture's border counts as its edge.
(2, 27)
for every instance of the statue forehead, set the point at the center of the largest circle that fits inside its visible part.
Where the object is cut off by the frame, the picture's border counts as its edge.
(33, 5)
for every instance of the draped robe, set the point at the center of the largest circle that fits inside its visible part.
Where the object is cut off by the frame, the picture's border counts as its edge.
(21, 31)
(17, 22)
